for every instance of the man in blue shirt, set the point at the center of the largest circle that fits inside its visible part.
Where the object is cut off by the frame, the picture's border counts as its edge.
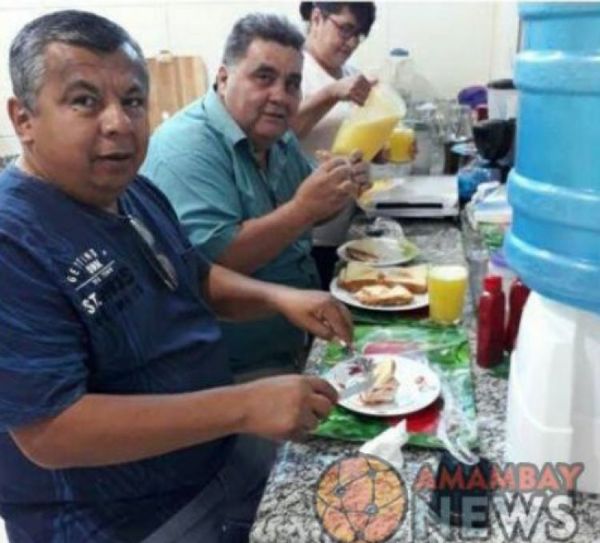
(240, 185)
(118, 420)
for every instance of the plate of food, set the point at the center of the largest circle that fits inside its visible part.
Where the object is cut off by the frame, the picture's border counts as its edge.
(381, 289)
(378, 251)
(398, 386)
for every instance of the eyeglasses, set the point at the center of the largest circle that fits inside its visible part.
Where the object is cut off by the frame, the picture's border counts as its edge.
(159, 262)
(347, 31)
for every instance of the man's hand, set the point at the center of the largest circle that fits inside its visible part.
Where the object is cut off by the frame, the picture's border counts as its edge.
(353, 88)
(358, 167)
(383, 155)
(327, 190)
(332, 185)
(316, 312)
(286, 407)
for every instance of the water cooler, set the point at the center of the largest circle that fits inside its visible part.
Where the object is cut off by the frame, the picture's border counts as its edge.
(554, 242)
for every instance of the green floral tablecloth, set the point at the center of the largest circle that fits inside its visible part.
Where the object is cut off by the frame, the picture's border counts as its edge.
(445, 349)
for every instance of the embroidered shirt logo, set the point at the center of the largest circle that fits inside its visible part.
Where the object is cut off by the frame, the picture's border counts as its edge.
(98, 279)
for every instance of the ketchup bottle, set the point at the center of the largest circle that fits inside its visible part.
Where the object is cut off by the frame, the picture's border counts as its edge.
(516, 300)
(490, 323)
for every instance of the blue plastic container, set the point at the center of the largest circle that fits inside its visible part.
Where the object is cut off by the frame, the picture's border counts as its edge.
(469, 178)
(554, 188)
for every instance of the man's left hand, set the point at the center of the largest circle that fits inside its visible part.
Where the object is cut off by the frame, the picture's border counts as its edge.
(316, 312)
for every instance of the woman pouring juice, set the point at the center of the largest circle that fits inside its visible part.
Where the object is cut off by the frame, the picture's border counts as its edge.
(330, 86)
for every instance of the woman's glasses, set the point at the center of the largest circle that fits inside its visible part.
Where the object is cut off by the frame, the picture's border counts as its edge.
(347, 31)
(159, 262)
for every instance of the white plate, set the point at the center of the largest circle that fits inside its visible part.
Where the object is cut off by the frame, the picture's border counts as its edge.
(419, 300)
(419, 386)
(389, 251)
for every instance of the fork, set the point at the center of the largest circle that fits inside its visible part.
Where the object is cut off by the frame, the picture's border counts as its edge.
(366, 364)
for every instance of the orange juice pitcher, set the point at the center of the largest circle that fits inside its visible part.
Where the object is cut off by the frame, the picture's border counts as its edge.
(368, 128)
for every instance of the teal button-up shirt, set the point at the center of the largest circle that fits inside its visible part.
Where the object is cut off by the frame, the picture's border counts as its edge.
(203, 161)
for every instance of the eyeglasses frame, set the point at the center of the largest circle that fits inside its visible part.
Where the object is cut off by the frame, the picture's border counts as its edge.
(158, 261)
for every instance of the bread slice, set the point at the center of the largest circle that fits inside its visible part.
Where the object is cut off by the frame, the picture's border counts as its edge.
(357, 275)
(413, 278)
(383, 372)
(361, 255)
(381, 295)
(384, 385)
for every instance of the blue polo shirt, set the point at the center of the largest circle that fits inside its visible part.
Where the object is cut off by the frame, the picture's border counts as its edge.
(203, 161)
(84, 310)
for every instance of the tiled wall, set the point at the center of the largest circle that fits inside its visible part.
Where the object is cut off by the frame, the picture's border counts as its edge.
(454, 44)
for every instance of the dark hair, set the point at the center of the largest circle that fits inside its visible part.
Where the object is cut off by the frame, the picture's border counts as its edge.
(260, 26)
(79, 28)
(363, 11)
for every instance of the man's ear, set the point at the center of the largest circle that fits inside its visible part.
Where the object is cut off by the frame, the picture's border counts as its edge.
(222, 76)
(21, 118)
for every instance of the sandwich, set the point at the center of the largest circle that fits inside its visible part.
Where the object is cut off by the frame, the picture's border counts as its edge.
(413, 278)
(383, 389)
(357, 275)
(382, 295)
(361, 255)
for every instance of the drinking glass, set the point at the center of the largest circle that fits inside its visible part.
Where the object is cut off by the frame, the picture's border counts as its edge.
(401, 144)
(447, 286)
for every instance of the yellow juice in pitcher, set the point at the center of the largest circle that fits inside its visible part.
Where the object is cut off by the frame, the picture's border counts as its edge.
(447, 285)
(368, 136)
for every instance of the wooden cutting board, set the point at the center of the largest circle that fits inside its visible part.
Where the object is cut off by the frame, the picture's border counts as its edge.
(175, 81)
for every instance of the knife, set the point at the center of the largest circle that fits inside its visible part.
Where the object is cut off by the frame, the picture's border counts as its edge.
(356, 384)
(356, 387)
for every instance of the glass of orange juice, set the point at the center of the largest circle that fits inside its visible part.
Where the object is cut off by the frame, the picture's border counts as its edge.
(401, 144)
(447, 285)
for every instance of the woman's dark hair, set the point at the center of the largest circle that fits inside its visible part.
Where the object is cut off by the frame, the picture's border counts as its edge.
(363, 11)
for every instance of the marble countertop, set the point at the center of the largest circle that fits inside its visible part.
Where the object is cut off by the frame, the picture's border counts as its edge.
(287, 512)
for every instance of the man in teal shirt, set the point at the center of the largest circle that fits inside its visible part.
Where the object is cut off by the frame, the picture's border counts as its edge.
(244, 192)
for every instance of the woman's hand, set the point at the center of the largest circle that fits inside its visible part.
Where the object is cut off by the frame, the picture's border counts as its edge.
(353, 88)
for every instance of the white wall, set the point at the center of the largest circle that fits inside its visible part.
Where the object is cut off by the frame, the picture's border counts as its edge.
(454, 44)
(506, 30)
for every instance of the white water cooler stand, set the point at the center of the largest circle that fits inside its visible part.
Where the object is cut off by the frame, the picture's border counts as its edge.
(554, 389)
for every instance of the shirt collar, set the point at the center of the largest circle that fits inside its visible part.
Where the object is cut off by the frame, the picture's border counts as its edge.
(221, 119)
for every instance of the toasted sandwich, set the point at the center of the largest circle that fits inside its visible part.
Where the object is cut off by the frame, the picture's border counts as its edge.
(357, 275)
(413, 278)
(381, 295)
(361, 255)
(384, 385)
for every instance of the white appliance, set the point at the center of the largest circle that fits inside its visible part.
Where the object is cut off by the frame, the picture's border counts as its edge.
(554, 389)
(417, 196)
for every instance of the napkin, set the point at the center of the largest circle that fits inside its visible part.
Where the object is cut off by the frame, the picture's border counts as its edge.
(388, 445)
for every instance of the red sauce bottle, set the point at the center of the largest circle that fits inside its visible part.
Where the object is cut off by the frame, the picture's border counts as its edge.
(490, 323)
(516, 301)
